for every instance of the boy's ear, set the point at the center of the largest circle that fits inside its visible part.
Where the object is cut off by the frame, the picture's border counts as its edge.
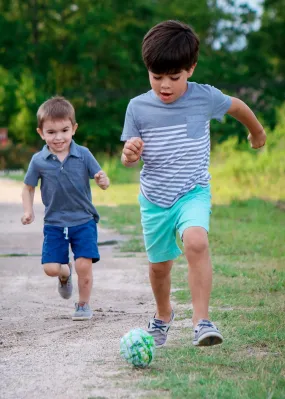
(191, 70)
(74, 128)
(40, 132)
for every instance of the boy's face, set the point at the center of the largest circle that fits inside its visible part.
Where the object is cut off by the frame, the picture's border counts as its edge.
(169, 88)
(58, 135)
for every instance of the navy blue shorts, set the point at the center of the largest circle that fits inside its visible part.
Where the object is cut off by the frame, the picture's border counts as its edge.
(82, 239)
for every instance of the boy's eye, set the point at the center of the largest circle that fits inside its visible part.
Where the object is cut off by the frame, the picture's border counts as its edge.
(174, 78)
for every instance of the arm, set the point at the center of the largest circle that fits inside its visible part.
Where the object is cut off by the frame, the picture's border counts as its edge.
(132, 151)
(240, 111)
(95, 171)
(28, 201)
(133, 146)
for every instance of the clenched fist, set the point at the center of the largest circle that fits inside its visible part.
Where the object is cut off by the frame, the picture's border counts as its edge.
(133, 149)
(257, 141)
(28, 218)
(102, 180)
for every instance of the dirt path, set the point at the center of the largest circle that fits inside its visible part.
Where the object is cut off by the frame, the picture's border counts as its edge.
(43, 353)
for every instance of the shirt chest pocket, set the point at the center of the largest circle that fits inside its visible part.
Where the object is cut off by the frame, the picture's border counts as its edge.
(197, 126)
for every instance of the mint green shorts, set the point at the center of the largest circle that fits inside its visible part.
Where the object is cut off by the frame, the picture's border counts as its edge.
(161, 224)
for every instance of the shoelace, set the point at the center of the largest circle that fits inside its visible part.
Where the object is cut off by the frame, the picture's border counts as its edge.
(81, 306)
(162, 328)
(203, 324)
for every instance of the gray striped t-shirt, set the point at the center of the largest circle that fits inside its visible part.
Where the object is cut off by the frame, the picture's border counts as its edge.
(176, 140)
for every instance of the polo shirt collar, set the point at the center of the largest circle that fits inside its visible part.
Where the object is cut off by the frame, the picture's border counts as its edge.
(72, 152)
(45, 152)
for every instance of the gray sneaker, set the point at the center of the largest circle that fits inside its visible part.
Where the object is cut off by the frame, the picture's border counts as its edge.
(65, 288)
(207, 334)
(159, 330)
(82, 312)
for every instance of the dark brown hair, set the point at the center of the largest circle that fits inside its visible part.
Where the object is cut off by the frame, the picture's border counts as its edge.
(55, 108)
(170, 47)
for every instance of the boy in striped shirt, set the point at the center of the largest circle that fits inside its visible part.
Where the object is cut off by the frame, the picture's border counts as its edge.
(169, 129)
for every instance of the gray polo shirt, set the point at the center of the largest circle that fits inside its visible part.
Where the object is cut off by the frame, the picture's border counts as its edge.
(65, 186)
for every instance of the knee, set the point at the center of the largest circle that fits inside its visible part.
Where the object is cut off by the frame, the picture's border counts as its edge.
(52, 269)
(83, 267)
(196, 243)
(160, 270)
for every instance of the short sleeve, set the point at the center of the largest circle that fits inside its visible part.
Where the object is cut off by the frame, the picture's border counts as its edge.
(33, 173)
(220, 104)
(130, 128)
(92, 165)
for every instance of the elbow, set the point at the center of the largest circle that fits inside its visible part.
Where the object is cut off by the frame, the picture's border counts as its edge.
(28, 189)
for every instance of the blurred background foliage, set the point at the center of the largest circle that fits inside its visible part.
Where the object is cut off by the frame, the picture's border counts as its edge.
(90, 52)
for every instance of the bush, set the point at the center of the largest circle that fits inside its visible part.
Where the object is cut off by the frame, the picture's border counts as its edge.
(15, 156)
(241, 172)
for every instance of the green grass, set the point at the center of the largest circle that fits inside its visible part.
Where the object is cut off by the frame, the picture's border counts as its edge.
(248, 254)
(247, 240)
(14, 176)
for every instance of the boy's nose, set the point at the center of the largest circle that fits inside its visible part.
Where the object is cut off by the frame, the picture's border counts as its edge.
(57, 136)
(165, 84)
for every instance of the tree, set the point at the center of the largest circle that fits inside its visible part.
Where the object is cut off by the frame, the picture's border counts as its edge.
(90, 52)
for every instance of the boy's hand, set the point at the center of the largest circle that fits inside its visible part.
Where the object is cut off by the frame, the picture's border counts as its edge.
(102, 180)
(133, 149)
(257, 141)
(28, 218)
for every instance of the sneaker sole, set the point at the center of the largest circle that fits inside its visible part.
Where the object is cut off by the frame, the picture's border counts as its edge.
(81, 318)
(65, 297)
(209, 339)
(160, 346)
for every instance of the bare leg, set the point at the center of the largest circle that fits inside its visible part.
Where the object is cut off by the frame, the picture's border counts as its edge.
(160, 279)
(83, 267)
(200, 271)
(57, 270)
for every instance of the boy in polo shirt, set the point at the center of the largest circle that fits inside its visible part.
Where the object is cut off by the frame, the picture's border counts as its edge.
(169, 129)
(64, 169)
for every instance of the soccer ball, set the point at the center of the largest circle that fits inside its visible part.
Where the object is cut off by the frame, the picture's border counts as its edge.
(137, 347)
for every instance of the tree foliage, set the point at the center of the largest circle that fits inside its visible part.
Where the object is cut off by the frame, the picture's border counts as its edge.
(90, 52)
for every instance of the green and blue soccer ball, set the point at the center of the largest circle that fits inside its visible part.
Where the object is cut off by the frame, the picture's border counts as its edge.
(137, 347)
